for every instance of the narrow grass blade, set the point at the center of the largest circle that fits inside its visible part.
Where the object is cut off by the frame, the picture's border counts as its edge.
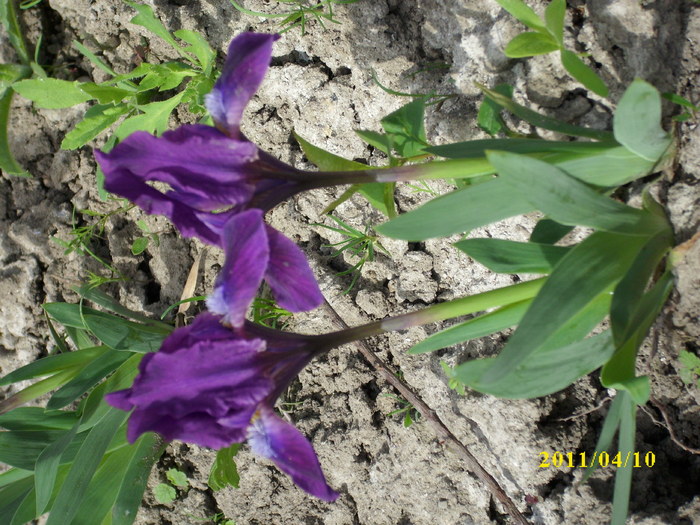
(578, 69)
(542, 121)
(607, 433)
(47, 468)
(8, 18)
(36, 418)
(623, 475)
(52, 364)
(478, 148)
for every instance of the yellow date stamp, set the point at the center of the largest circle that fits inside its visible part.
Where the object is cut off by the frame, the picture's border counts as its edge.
(600, 459)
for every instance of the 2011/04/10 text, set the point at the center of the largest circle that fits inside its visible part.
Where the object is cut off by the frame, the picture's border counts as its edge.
(581, 460)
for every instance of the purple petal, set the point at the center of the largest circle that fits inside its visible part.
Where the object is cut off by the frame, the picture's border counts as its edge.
(189, 221)
(246, 64)
(247, 254)
(289, 275)
(207, 168)
(271, 437)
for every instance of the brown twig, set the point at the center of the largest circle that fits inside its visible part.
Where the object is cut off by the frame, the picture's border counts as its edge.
(444, 434)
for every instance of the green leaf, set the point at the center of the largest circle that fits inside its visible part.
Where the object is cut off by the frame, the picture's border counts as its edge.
(583, 73)
(36, 418)
(139, 245)
(382, 142)
(406, 128)
(547, 231)
(8, 164)
(373, 191)
(147, 19)
(489, 116)
(478, 148)
(199, 47)
(480, 326)
(569, 201)
(146, 451)
(610, 425)
(100, 298)
(623, 475)
(504, 256)
(52, 364)
(554, 365)
(88, 458)
(177, 478)
(8, 18)
(88, 377)
(46, 468)
(554, 19)
(105, 94)
(51, 93)
(224, 472)
(637, 121)
(93, 58)
(97, 119)
(458, 212)
(164, 493)
(165, 76)
(522, 12)
(530, 44)
(154, 119)
(542, 121)
(569, 290)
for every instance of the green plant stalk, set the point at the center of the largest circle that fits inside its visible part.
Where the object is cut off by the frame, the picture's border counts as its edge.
(439, 312)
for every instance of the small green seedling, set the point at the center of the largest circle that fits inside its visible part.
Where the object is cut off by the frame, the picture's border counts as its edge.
(547, 36)
(689, 370)
(410, 414)
(166, 493)
(358, 244)
(299, 12)
(266, 312)
(691, 109)
(141, 243)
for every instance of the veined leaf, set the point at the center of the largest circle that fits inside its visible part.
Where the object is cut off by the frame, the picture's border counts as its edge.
(554, 19)
(458, 212)
(147, 19)
(9, 74)
(406, 128)
(224, 472)
(504, 256)
(199, 47)
(51, 93)
(97, 119)
(530, 44)
(637, 121)
(37, 418)
(154, 119)
(569, 201)
(569, 290)
(8, 18)
(46, 468)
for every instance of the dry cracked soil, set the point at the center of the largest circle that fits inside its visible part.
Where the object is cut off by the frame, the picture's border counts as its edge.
(320, 84)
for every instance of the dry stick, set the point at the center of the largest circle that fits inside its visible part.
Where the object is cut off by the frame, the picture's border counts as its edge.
(439, 427)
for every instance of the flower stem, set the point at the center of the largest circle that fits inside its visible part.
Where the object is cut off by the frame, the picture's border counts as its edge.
(440, 312)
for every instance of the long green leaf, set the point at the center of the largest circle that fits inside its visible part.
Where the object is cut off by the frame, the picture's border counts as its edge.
(52, 364)
(480, 326)
(554, 19)
(88, 377)
(458, 212)
(637, 121)
(504, 256)
(51, 93)
(478, 148)
(542, 121)
(36, 418)
(85, 464)
(47, 468)
(567, 200)
(9, 73)
(146, 451)
(570, 288)
(554, 365)
(147, 19)
(607, 433)
(583, 73)
(623, 475)
(97, 119)
(8, 18)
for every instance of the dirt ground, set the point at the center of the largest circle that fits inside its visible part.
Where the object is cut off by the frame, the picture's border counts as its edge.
(320, 85)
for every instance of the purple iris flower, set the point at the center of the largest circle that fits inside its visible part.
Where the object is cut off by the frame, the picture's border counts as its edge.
(219, 183)
(214, 386)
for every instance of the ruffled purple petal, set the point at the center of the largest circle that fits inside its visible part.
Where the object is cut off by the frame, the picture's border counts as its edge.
(271, 437)
(247, 254)
(190, 222)
(288, 273)
(246, 64)
(207, 169)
